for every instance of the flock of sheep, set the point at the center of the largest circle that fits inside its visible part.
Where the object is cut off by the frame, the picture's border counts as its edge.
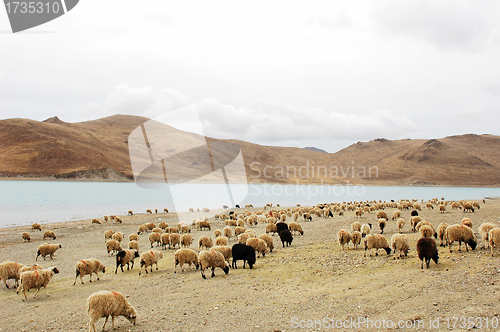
(238, 227)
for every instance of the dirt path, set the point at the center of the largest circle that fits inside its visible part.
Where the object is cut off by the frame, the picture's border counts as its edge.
(311, 280)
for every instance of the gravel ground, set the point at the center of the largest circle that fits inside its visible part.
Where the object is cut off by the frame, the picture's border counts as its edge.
(311, 280)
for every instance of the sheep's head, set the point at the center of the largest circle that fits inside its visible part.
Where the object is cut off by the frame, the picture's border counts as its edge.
(226, 269)
(472, 244)
(55, 270)
(387, 250)
(103, 269)
(136, 254)
(131, 315)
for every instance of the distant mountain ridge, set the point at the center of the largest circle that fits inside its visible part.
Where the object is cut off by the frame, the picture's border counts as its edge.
(98, 150)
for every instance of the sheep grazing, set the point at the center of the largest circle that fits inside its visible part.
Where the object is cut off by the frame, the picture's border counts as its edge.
(130, 213)
(150, 258)
(157, 230)
(47, 249)
(165, 240)
(494, 239)
(118, 220)
(401, 224)
(269, 241)
(467, 222)
(35, 279)
(88, 266)
(356, 237)
(162, 225)
(286, 237)
(106, 218)
(381, 224)
(117, 236)
(125, 257)
(171, 230)
(96, 221)
(414, 213)
(108, 234)
(344, 237)
(484, 230)
(149, 211)
(31, 267)
(227, 232)
(376, 241)
(295, 227)
(307, 216)
(175, 240)
(26, 237)
(49, 234)
(154, 238)
(441, 233)
(141, 229)
(442, 208)
(356, 226)
(382, 215)
(205, 242)
(36, 227)
(204, 224)
(460, 233)
(365, 229)
(10, 270)
(241, 251)
(239, 230)
(186, 240)
(250, 233)
(427, 231)
(185, 256)
(271, 228)
(217, 233)
(400, 242)
(185, 229)
(427, 250)
(213, 259)
(242, 238)
(133, 237)
(396, 214)
(281, 226)
(133, 245)
(414, 221)
(113, 246)
(105, 304)
(221, 241)
(224, 250)
(259, 245)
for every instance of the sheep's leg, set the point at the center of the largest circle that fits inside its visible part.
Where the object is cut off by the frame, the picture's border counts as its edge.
(37, 290)
(213, 272)
(459, 245)
(90, 277)
(105, 321)
(113, 322)
(46, 291)
(203, 274)
(5, 282)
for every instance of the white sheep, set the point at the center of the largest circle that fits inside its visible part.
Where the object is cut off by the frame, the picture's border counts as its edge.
(217, 233)
(35, 279)
(88, 266)
(259, 245)
(344, 237)
(401, 224)
(113, 246)
(400, 242)
(150, 258)
(10, 270)
(224, 250)
(414, 221)
(186, 240)
(356, 237)
(295, 227)
(213, 259)
(396, 214)
(36, 226)
(105, 304)
(133, 245)
(26, 236)
(460, 233)
(427, 231)
(365, 229)
(49, 234)
(185, 256)
(118, 236)
(47, 249)
(227, 232)
(271, 228)
(356, 226)
(484, 230)
(175, 240)
(494, 238)
(269, 241)
(221, 241)
(376, 241)
(205, 242)
(133, 237)
(381, 224)
(242, 238)
(441, 232)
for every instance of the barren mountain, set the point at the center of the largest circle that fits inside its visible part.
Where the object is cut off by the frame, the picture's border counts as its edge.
(99, 150)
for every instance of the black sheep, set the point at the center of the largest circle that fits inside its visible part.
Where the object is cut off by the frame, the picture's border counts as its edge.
(427, 249)
(414, 213)
(281, 226)
(286, 236)
(119, 259)
(243, 252)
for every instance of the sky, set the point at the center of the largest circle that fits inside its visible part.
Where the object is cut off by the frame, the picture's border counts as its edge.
(318, 73)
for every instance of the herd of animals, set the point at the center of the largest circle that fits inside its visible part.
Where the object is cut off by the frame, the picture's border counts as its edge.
(238, 226)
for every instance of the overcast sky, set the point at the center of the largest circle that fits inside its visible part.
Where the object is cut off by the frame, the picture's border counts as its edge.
(323, 73)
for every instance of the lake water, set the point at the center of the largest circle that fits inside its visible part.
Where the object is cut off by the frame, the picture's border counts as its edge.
(25, 202)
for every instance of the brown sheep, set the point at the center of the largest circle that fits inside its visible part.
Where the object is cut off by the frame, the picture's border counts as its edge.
(35, 279)
(88, 266)
(105, 304)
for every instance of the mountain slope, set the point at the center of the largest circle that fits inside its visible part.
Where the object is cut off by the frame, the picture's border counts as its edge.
(99, 150)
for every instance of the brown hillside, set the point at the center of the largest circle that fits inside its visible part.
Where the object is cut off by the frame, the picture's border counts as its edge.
(98, 150)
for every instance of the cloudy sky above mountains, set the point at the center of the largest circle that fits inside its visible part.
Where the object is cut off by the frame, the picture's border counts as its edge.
(322, 73)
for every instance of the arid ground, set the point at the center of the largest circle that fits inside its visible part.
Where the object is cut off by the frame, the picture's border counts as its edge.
(311, 280)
